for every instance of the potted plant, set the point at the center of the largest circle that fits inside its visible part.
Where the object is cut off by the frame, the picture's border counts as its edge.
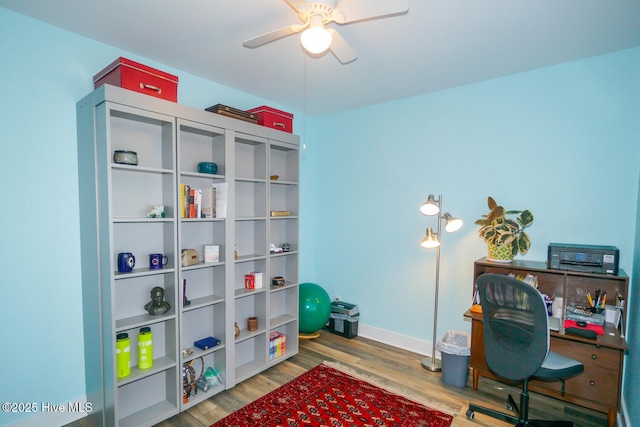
(505, 237)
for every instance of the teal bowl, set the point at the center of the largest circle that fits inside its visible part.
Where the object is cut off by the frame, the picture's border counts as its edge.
(207, 167)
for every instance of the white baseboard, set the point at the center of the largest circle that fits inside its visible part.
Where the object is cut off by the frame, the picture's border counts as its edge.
(50, 414)
(623, 415)
(404, 342)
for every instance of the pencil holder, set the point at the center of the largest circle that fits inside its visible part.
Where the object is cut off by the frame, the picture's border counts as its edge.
(252, 323)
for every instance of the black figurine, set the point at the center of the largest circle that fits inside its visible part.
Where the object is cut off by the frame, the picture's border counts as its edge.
(157, 305)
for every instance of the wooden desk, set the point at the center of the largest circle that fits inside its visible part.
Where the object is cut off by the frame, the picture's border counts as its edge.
(598, 387)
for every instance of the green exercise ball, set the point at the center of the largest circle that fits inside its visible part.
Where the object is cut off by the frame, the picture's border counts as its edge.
(315, 308)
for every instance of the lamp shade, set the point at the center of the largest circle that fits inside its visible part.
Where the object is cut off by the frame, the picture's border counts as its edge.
(430, 207)
(316, 39)
(452, 224)
(430, 241)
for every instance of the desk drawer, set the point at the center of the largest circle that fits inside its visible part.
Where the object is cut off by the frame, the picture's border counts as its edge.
(600, 380)
(598, 385)
(589, 354)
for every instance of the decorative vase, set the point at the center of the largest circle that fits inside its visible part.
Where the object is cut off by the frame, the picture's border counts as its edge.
(500, 253)
(237, 330)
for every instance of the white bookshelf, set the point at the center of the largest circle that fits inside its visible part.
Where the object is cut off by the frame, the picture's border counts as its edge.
(170, 140)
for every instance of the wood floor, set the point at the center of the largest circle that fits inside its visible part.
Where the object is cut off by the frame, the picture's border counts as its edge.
(398, 369)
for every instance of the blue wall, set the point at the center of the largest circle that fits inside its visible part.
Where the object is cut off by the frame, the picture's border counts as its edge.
(561, 141)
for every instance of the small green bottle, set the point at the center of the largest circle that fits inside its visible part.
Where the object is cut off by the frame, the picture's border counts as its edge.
(145, 348)
(123, 355)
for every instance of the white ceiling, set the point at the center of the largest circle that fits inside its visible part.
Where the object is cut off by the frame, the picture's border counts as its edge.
(437, 45)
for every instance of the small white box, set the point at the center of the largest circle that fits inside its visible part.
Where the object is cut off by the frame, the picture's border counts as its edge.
(257, 279)
(211, 253)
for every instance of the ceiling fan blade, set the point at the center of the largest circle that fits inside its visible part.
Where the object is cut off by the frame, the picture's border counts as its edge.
(359, 10)
(341, 49)
(298, 4)
(271, 36)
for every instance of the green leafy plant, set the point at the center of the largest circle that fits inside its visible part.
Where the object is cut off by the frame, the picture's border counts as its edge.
(497, 229)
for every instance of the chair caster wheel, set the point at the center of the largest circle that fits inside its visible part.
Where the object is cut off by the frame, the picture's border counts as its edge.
(470, 414)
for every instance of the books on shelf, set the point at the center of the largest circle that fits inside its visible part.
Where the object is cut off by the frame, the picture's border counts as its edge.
(207, 202)
(277, 344)
(220, 199)
(181, 200)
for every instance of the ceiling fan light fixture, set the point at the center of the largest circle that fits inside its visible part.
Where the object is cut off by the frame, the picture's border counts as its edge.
(316, 39)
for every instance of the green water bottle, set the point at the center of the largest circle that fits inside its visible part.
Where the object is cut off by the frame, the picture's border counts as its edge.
(145, 348)
(123, 355)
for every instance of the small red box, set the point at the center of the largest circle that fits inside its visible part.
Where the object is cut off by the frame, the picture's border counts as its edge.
(249, 281)
(272, 118)
(134, 76)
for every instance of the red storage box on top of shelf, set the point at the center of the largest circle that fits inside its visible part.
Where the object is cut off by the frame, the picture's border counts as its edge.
(272, 118)
(138, 77)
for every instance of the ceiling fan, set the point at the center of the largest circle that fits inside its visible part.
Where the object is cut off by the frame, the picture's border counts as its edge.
(316, 15)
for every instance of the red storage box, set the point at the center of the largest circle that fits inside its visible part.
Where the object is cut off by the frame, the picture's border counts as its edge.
(132, 75)
(272, 118)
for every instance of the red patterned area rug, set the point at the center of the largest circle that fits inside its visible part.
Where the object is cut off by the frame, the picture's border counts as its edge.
(327, 396)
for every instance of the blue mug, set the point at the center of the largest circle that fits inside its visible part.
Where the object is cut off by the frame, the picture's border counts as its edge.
(157, 261)
(126, 262)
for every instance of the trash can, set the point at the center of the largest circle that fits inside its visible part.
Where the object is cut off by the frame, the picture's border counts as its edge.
(455, 349)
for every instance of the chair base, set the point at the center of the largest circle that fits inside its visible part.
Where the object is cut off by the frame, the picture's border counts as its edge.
(516, 421)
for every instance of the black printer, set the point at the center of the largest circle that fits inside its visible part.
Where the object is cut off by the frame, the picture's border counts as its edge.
(585, 258)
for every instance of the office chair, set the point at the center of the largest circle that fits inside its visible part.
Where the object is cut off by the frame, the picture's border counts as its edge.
(516, 343)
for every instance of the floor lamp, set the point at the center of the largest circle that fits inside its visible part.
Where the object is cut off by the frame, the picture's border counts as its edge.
(432, 240)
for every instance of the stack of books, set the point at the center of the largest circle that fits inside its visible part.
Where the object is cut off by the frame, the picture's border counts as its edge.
(207, 202)
(277, 344)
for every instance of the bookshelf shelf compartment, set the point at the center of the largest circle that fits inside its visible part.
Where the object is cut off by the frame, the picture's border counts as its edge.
(203, 302)
(193, 353)
(140, 169)
(142, 320)
(202, 176)
(159, 364)
(202, 265)
(149, 400)
(281, 320)
(142, 272)
(141, 220)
